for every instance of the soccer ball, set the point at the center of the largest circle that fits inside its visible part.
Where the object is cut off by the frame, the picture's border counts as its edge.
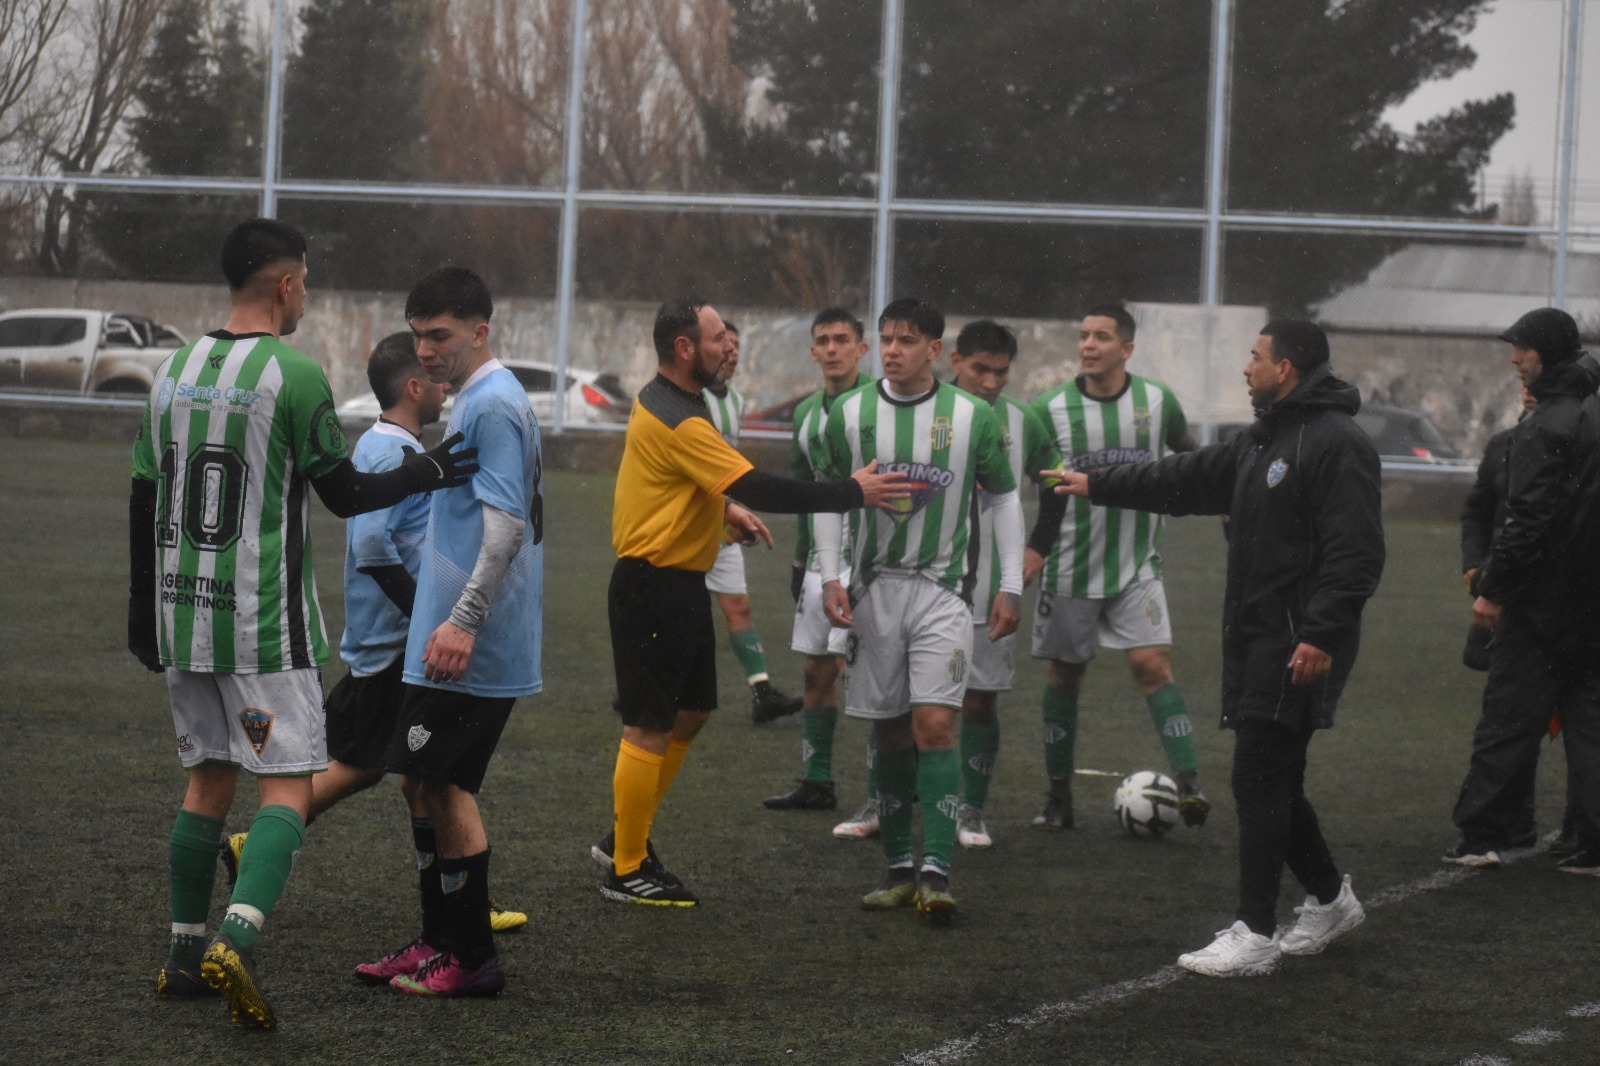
(1146, 803)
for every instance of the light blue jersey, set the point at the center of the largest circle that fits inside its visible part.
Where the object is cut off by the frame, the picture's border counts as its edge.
(493, 413)
(374, 628)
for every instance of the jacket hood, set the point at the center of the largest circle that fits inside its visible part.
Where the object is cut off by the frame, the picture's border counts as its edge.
(1577, 377)
(1318, 389)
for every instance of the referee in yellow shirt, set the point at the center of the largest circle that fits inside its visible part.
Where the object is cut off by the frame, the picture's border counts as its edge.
(675, 494)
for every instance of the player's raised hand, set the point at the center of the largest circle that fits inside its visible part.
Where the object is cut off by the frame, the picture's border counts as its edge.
(440, 467)
(881, 490)
(1067, 482)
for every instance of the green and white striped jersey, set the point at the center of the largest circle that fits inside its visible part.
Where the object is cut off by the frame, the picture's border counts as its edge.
(1029, 448)
(1103, 550)
(948, 445)
(234, 430)
(808, 459)
(726, 411)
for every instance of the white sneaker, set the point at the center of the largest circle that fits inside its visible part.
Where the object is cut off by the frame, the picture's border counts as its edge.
(1318, 925)
(970, 830)
(1237, 952)
(861, 825)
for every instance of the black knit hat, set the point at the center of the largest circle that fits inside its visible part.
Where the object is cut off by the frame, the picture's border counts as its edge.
(1549, 331)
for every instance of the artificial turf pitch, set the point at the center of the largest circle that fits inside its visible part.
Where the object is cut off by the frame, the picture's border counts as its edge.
(778, 964)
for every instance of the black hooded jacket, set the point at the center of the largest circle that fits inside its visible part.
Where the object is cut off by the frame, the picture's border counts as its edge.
(1305, 542)
(1544, 562)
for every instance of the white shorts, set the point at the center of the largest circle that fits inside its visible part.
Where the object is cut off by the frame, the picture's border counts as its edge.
(266, 723)
(909, 647)
(992, 669)
(726, 576)
(813, 633)
(1067, 629)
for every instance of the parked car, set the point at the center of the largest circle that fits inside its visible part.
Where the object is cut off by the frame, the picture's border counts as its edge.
(592, 398)
(778, 418)
(1399, 432)
(66, 349)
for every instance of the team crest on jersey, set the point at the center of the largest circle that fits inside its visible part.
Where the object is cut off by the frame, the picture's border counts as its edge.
(942, 432)
(417, 736)
(1141, 418)
(958, 665)
(257, 726)
(164, 395)
(1005, 438)
(1275, 473)
(924, 481)
(327, 436)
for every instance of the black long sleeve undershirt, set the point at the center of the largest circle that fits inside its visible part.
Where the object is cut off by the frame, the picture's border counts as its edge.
(761, 491)
(346, 491)
(396, 583)
(1047, 529)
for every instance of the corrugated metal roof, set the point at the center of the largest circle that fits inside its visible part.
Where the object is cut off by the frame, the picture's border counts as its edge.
(1431, 288)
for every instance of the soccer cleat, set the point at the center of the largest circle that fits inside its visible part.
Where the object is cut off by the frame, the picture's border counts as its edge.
(934, 901)
(1192, 803)
(402, 961)
(1585, 861)
(768, 703)
(233, 973)
(897, 889)
(230, 850)
(443, 975)
(1237, 952)
(179, 980)
(1467, 853)
(503, 921)
(1319, 924)
(860, 825)
(970, 830)
(652, 865)
(804, 796)
(643, 887)
(1057, 812)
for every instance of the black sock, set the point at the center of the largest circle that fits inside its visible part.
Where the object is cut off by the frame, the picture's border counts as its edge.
(433, 923)
(464, 884)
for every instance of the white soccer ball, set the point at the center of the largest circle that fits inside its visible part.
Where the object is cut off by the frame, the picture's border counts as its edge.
(1146, 803)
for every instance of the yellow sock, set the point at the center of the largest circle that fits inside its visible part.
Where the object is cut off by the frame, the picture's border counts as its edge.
(634, 793)
(670, 764)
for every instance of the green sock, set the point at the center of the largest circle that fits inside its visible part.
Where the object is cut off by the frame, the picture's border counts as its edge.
(939, 785)
(1171, 716)
(275, 838)
(1060, 731)
(897, 785)
(816, 742)
(747, 646)
(980, 746)
(191, 873)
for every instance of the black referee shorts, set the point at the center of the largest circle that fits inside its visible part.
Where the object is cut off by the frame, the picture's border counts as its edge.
(663, 643)
(361, 712)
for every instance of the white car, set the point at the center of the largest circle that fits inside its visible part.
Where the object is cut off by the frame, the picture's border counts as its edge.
(593, 399)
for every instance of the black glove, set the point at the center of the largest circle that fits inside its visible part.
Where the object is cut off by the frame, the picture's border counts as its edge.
(797, 580)
(142, 633)
(439, 467)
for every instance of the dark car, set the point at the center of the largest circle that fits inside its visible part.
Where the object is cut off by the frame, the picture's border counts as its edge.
(1402, 433)
(779, 418)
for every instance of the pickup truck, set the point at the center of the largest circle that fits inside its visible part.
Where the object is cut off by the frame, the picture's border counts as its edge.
(84, 352)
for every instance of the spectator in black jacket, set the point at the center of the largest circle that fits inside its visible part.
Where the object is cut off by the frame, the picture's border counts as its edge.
(1537, 590)
(1305, 552)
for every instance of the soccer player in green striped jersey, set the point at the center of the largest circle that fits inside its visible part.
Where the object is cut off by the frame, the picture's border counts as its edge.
(726, 578)
(838, 344)
(984, 353)
(1101, 581)
(909, 603)
(239, 429)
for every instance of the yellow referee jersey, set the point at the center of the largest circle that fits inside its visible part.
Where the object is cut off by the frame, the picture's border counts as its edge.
(675, 469)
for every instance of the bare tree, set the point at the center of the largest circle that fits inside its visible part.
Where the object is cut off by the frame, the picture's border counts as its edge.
(26, 29)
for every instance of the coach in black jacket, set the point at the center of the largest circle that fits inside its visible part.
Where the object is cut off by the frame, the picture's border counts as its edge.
(1539, 590)
(1305, 552)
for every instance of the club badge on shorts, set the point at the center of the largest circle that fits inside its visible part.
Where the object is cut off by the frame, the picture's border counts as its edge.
(257, 726)
(1275, 473)
(417, 736)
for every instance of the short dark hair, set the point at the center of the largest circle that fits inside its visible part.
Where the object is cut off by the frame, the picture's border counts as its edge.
(986, 335)
(450, 290)
(256, 244)
(676, 318)
(729, 326)
(1301, 342)
(928, 319)
(392, 363)
(1118, 314)
(829, 315)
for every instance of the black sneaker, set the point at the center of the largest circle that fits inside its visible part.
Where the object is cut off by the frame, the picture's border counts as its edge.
(1565, 843)
(652, 865)
(180, 980)
(1471, 853)
(934, 901)
(1057, 813)
(1586, 861)
(1192, 803)
(804, 796)
(646, 888)
(767, 703)
(233, 973)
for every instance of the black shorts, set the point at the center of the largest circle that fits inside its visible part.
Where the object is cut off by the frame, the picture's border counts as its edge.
(447, 737)
(361, 712)
(663, 643)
